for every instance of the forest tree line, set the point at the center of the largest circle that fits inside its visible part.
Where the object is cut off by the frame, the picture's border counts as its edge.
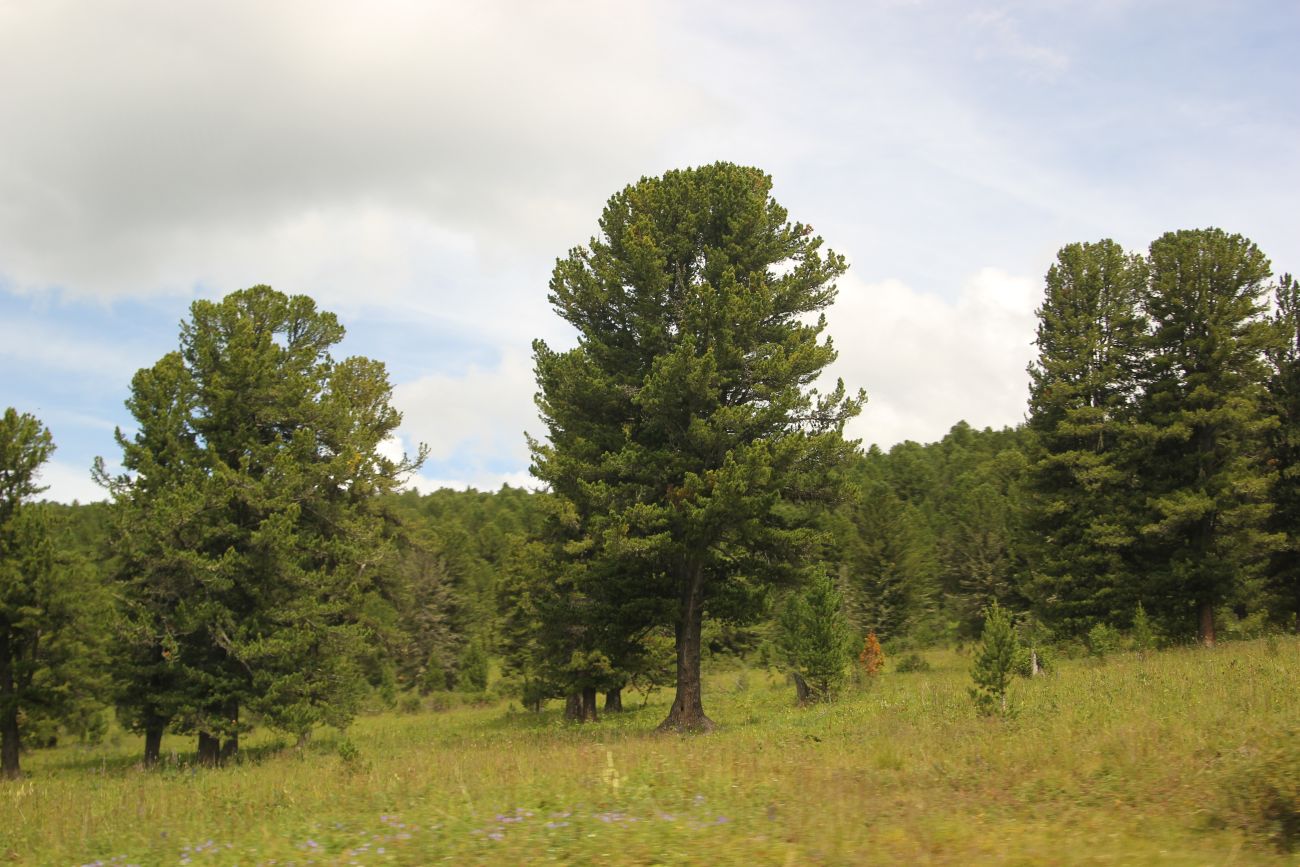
(258, 562)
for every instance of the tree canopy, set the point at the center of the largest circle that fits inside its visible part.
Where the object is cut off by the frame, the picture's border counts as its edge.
(684, 427)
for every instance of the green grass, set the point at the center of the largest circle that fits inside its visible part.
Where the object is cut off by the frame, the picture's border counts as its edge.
(1125, 760)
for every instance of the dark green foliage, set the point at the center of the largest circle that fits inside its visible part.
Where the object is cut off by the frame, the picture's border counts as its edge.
(1082, 403)
(995, 661)
(887, 562)
(981, 557)
(472, 668)
(52, 607)
(1204, 417)
(815, 641)
(1103, 640)
(910, 663)
(682, 429)
(1284, 450)
(247, 534)
(1144, 634)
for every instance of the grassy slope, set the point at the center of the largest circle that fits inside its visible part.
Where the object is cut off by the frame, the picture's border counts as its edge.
(1117, 762)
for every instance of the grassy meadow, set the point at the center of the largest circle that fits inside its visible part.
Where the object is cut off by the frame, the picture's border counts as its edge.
(1177, 758)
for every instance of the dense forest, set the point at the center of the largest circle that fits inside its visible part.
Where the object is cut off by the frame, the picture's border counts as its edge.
(258, 562)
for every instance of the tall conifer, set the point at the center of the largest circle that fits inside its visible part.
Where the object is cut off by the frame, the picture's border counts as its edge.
(1083, 392)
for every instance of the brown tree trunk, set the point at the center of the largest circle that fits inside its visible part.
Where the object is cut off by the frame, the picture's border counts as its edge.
(1207, 624)
(231, 747)
(9, 743)
(614, 701)
(153, 735)
(589, 704)
(687, 712)
(209, 749)
(802, 693)
(9, 716)
(573, 707)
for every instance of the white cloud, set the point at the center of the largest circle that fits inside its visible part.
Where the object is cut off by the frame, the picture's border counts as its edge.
(156, 146)
(67, 482)
(927, 362)
(477, 418)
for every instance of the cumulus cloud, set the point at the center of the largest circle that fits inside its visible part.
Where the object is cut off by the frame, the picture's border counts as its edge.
(927, 361)
(473, 422)
(145, 132)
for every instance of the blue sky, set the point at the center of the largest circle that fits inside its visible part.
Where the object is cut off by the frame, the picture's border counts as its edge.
(417, 168)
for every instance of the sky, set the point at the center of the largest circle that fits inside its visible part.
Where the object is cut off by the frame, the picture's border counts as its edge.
(418, 167)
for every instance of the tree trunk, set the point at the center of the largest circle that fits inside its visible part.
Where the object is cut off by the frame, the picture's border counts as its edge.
(1207, 624)
(153, 735)
(573, 707)
(687, 712)
(9, 743)
(801, 690)
(209, 749)
(614, 701)
(589, 704)
(231, 747)
(9, 715)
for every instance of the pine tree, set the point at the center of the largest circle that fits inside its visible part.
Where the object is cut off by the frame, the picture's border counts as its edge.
(995, 661)
(888, 569)
(1284, 448)
(683, 427)
(51, 607)
(1204, 417)
(815, 640)
(248, 527)
(1083, 392)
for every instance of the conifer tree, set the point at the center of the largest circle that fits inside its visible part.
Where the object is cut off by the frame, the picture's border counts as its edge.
(1284, 448)
(683, 427)
(50, 608)
(1204, 418)
(888, 569)
(995, 661)
(248, 529)
(1083, 393)
(816, 640)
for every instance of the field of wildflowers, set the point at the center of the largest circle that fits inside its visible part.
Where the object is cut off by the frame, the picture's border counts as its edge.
(1127, 759)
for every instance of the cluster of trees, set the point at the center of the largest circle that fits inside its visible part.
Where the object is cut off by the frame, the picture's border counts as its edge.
(1156, 470)
(258, 563)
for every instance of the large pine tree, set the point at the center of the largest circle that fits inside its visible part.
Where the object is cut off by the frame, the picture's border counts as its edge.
(1284, 448)
(1203, 419)
(683, 427)
(1083, 394)
(248, 532)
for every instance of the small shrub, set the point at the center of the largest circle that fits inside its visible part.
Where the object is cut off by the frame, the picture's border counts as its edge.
(350, 754)
(815, 641)
(995, 660)
(1144, 633)
(911, 662)
(1103, 640)
(1025, 658)
(472, 668)
(409, 703)
(872, 658)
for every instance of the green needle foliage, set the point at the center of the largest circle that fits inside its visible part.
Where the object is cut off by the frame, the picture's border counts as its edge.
(247, 529)
(815, 640)
(995, 661)
(1204, 418)
(1083, 392)
(683, 428)
(52, 609)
